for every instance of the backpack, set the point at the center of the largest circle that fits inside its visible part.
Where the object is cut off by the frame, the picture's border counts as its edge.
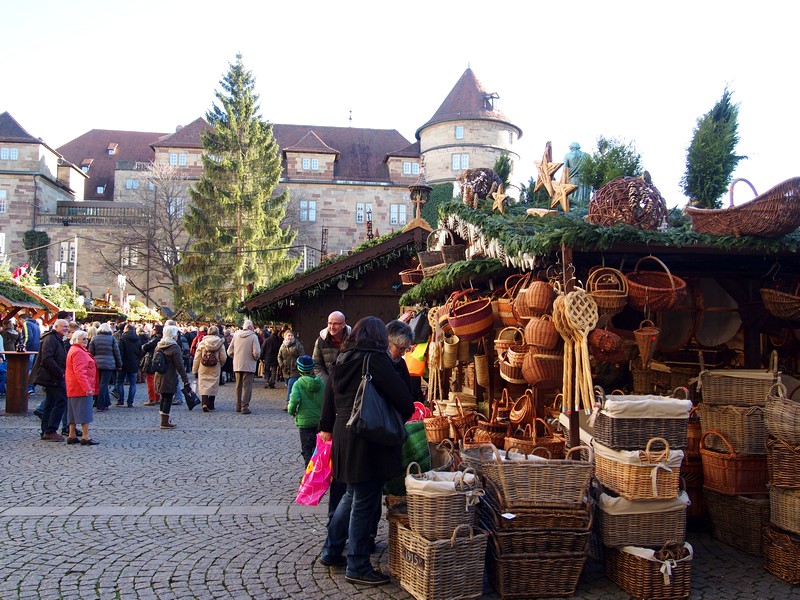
(146, 363)
(159, 362)
(208, 358)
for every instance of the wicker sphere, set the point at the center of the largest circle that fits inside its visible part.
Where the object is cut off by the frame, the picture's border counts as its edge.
(631, 200)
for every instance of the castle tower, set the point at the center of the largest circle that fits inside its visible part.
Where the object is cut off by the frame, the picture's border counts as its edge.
(466, 132)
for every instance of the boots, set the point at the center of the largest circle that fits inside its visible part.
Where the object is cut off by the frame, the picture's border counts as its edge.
(165, 422)
(210, 402)
(205, 404)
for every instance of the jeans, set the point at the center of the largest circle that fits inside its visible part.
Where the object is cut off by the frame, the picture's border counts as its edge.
(55, 404)
(353, 521)
(31, 359)
(308, 443)
(103, 397)
(121, 379)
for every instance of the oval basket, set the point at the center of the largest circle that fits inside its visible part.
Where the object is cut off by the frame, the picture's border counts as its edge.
(508, 336)
(470, 315)
(654, 290)
(539, 368)
(609, 288)
(541, 332)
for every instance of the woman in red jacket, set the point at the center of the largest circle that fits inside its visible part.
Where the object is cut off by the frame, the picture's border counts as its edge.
(81, 376)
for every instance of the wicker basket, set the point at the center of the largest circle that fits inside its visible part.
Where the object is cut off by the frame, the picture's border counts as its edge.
(732, 474)
(784, 508)
(538, 295)
(694, 431)
(522, 410)
(493, 431)
(494, 510)
(544, 575)
(654, 290)
(742, 387)
(781, 304)
(509, 372)
(444, 569)
(508, 336)
(463, 420)
(738, 521)
(640, 475)
(541, 332)
(411, 276)
(609, 288)
(774, 213)
(652, 578)
(537, 482)
(782, 416)
(648, 381)
(440, 501)
(505, 299)
(452, 252)
(395, 516)
(437, 427)
(470, 315)
(634, 201)
(782, 554)
(783, 464)
(625, 523)
(431, 261)
(742, 425)
(538, 541)
(516, 354)
(540, 367)
(615, 430)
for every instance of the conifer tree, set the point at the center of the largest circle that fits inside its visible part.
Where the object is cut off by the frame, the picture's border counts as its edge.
(235, 215)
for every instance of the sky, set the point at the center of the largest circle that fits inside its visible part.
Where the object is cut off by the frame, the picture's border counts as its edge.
(639, 72)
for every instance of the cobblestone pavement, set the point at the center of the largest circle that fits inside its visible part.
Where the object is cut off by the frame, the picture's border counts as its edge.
(207, 511)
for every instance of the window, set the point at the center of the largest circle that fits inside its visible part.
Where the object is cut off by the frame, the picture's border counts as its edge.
(9, 153)
(363, 212)
(397, 214)
(2, 245)
(131, 184)
(85, 168)
(130, 256)
(459, 132)
(306, 164)
(175, 206)
(460, 162)
(315, 164)
(415, 168)
(181, 160)
(151, 186)
(66, 252)
(173, 159)
(308, 210)
(3, 201)
(406, 168)
(101, 189)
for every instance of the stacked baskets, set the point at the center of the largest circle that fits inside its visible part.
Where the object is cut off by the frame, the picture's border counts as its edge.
(733, 452)
(781, 542)
(540, 552)
(441, 553)
(641, 512)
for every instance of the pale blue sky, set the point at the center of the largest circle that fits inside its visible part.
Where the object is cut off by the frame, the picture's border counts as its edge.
(642, 72)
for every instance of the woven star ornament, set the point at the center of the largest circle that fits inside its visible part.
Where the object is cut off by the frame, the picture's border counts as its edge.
(546, 167)
(562, 190)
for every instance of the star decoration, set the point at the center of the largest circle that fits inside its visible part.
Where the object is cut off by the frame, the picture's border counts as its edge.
(499, 198)
(546, 167)
(563, 189)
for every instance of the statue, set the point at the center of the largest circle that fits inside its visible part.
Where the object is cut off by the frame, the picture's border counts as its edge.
(573, 160)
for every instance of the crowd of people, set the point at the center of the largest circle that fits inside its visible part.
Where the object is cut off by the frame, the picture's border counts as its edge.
(81, 367)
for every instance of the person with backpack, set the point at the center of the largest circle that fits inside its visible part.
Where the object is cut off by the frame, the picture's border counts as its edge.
(209, 357)
(148, 349)
(131, 352)
(168, 366)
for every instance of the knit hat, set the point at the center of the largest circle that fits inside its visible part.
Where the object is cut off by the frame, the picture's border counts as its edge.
(305, 364)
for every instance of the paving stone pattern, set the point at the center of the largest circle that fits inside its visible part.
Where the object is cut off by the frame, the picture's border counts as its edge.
(207, 511)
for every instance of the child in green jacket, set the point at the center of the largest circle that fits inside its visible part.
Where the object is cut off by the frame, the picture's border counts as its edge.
(305, 405)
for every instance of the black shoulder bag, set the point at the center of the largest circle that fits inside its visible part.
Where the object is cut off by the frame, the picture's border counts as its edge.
(372, 418)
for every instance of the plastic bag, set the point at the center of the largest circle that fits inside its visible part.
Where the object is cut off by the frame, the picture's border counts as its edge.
(318, 475)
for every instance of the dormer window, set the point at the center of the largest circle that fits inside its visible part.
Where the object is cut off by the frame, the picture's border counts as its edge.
(101, 189)
(488, 100)
(86, 163)
(112, 149)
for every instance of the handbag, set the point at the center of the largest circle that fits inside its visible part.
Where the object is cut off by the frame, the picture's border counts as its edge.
(420, 326)
(372, 418)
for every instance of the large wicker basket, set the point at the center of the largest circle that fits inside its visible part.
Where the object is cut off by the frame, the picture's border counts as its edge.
(654, 290)
(624, 523)
(784, 508)
(743, 426)
(782, 416)
(649, 474)
(653, 578)
(470, 315)
(634, 201)
(444, 569)
(782, 554)
(774, 213)
(783, 464)
(742, 387)
(730, 473)
(738, 521)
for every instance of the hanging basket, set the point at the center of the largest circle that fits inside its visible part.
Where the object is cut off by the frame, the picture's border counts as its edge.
(470, 315)
(541, 332)
(412, 276)
(539, 296)
(504, 301)
(437, 427)
(481, 361)
(654, 290)
(609, 288)
(451, 252)
(604, 345)
(507, 337)
(781, 304)
(540, 367)
(522, 411)
(647, 341)
(450, 352)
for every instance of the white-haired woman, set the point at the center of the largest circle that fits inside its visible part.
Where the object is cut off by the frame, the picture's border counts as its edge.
(105, 349)
(166, 383)
(81, 378)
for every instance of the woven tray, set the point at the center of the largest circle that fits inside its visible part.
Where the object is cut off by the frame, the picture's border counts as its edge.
(782, 554)
(445, 569)
(743, 426)
(784, 508)
(642, 578)
(738, 521)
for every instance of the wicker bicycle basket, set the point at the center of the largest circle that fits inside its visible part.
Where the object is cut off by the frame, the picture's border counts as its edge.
(774, 213)
(654, 290)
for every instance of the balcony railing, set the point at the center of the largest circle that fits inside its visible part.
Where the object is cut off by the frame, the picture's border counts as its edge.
(94, 213)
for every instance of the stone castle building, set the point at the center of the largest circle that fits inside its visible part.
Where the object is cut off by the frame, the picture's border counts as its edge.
(89, 192)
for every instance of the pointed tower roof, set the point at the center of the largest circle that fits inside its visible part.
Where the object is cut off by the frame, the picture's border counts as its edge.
(11, 131)
(468, 100)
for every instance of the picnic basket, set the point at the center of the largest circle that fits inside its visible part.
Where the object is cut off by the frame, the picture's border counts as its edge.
(730, 473)
(739, 521)
(782, 415)
(784, 508)
(647, 474)
(621, 522)
(654, 290)
(774, 213)
(782, 554)
(664, 574)
(743, 387)
(743, 426)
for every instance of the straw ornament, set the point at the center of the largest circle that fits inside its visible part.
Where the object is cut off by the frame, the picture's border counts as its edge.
(546, 167)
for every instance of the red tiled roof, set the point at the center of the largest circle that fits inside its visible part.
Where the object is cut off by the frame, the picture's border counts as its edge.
(410, 151)
(188, 136)
(467, 100)
(132, 146)
(311, 143)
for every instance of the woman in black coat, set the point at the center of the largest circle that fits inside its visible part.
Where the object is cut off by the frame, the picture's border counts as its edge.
(363, 466)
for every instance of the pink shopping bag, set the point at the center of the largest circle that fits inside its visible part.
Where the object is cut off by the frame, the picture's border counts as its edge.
(318, 476)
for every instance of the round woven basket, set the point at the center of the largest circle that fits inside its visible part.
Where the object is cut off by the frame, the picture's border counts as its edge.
(516, 354)
(609, 288)
(541, 332)
(654, 290)
(507, 337)
(634, 201)
(437, 428)
(539, 368)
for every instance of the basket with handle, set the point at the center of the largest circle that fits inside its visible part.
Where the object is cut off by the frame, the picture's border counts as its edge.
(742, 387)
(463, 420)
(450, 351)
(646, 337)
(640, 475)
(782, 554)
(781, 304)
(730, 473)
(738, 521)
(522, 410)
(555, 443)
(542, 333)
(539, 296)
(431, 261)
(782, 415)
(504, 300)
(509, 372)
(451, 252)
(654, 290)
(411, 276)
(507, 336)
(515, 354)
(743, 426)
(522, 438)
(783, 464)
(437, 427)
(481, 362)
(609, 288)
(493, 429)
(664, 574)
(470, 315)
(540, 367)
(784, 508)
(622, 522)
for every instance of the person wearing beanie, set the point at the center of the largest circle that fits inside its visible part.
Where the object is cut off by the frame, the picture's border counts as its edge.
(305, 405)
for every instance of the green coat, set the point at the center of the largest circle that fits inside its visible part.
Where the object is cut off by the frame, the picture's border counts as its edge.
(305, 402)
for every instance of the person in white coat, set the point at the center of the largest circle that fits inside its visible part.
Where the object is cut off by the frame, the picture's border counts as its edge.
(245, 351)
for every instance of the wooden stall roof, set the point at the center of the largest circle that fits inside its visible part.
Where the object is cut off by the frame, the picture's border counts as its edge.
(415, 237)
(48, 312)
(14, 298)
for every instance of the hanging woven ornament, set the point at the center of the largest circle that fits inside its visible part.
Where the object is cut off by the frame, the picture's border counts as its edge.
(646, 339)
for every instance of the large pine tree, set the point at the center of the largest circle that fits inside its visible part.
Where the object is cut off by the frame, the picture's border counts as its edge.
(235, 217)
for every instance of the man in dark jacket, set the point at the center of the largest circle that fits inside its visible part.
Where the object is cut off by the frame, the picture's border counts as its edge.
(131, 352)
(269, 356)
(326, 348)
(31, 337)
(48, 371)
